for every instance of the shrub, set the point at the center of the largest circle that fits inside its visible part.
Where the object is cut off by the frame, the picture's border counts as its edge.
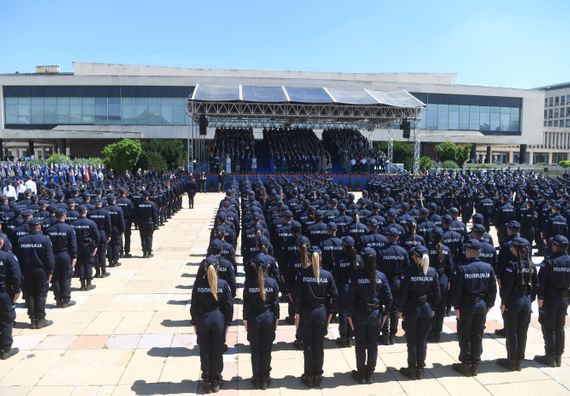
(122, 155)
(449, 164)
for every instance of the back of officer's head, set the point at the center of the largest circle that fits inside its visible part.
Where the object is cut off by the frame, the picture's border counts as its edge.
(559, 243)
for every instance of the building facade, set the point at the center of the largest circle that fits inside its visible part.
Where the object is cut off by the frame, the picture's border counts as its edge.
(78, 113)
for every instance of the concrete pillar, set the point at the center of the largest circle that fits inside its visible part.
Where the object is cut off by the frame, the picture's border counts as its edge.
(473, 155)
(523, 156)
(61, 146)
(510, 157)
(549, 158)
(30, 148)
(489, 158)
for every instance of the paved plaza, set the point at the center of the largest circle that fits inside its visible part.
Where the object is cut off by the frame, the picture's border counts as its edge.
(132, 335)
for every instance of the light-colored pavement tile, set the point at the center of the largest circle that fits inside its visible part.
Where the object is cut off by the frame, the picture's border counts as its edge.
(57, 342)
(123, 341)
(89, 342)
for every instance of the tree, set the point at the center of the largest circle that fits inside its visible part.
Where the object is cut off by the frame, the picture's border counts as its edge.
(122, 155)
(403, 153)
(58, 158)
(564, 164)
(426, 163)
(449, 151)
(172, 151)
(449, 164)
(152, 160)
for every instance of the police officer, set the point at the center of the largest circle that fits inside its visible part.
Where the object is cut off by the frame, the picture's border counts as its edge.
(260, 318)
(315, 293)
(518, 289)
(87, 243)
(393, 261)
(64, 242)
(103, 220)
(554, 283)
(147, 219)
(369, 299)
(331, 247)
(127, 206)
(35, 254)
(440, 259)
(342, 272)
(10, 289)
(117, 229)
(211, 309)
(191, 189)
(419, 295)
(472, 294)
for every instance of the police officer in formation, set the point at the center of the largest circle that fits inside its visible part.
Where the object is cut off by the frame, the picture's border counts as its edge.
(10, 290)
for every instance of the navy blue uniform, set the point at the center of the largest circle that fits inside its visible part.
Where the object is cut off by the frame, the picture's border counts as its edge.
(313, 297)
(10, 284)
(261, 317)
(393, 260)
(419, 295)
(331, 248)
(146, 214)
(518, 291)
(127, 206)
(210, 317)
(554, 284)
(440, 259)
(101, 217)
(35, 254)
(473, 292)
(117, 229)
(87, 241)
(366, 306)
(64, 242)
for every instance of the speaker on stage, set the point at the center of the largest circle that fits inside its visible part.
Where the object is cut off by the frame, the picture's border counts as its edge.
(203, 125)
(405, 127)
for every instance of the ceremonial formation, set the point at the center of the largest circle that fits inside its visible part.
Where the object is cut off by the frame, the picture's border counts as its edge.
(61, 223)
(401, 252)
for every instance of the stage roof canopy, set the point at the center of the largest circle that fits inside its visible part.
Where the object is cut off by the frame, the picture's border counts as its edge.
(307, 106)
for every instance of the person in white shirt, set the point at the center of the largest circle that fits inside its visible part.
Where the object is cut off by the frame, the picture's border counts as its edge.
(31, 185)
(21, 188)
(9, 191)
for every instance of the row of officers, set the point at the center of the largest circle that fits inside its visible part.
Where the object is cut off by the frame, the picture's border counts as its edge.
(370, 296)
(44, 249)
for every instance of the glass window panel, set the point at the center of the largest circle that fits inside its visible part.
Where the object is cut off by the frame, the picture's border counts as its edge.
(474, 118)
(431, 116)
(11, 101)
(128, 111)
(550, 113)
(62, 110)
(11, 112)
(24, 109)
(179, 111)
(505, 118)
(495, 118)
(141, 111)
(154, 111)
(87, 110)
(166, 111)
(114, 110)
(562, 100)
(443, 117)
(453, 117)
(484, 115)
(101, 111)
(50, 113)
(464, 117)
(515, 119)
(555, 123)
(37, 110)
(75, 110)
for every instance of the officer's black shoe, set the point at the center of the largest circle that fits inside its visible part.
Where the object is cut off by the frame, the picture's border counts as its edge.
(357, 375)
(420, 374)
(368, 379)
(33, 323)
(7, 353)
(59, 304)
(206, 387)
(384, 339)
(348, 342)
(558, 360)
(215, 386)
(507, 363)
(83, 285)
(500, 332)
(267, 380)
(149, 255)
(298, 344)
(89, 285)
(341, 342)
(289, 320)
(117, 264)
(307, 380)
(518, 364)
(547, 360)
(104, 274)
(462, 368)
(263, 384)
(408, 372)
(97, 274)
(317, 380)
(392, 339)
(144, 255)
(68, 304)
(474, 370)
(128, 255)
(256, 382)
(41, 323)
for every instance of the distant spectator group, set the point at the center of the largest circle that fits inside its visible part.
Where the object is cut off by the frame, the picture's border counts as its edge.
(296, 151)
(233, 151)
(354, 151)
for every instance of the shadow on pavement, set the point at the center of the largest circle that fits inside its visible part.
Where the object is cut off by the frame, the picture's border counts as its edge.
(141, 387)
(173, 352)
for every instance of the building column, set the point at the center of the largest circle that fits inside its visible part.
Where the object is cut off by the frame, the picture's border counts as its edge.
(549, 158)
(523, 156)
(473, 155)
(510, 157)
(30, 148)
(489, 158)
(61, 146)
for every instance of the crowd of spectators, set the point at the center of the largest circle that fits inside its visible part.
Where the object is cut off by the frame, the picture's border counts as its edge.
(296, 151)
(354, 152)
(233, 151)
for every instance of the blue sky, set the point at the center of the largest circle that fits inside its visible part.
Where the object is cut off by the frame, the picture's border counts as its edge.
(520, 43)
